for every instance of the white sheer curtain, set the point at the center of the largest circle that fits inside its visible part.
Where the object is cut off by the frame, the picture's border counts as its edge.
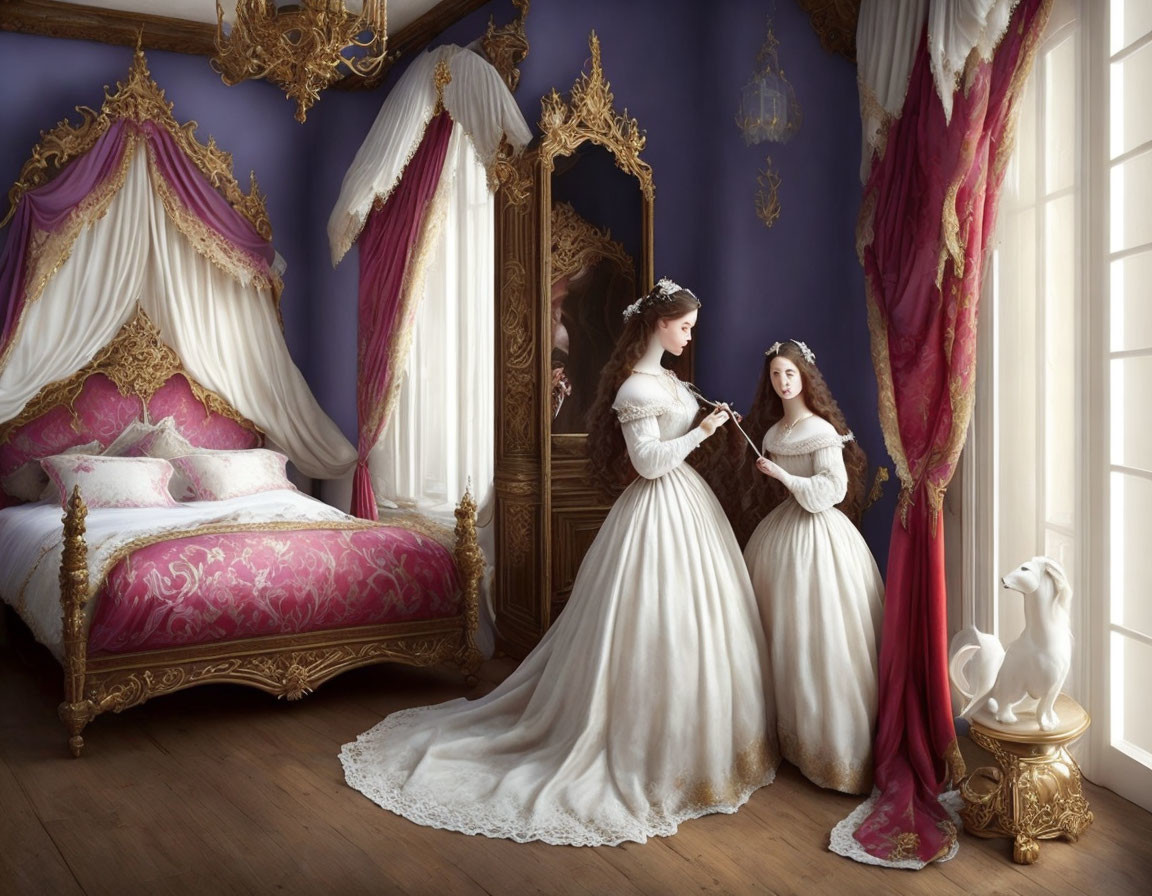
(91, 297)
(440, 436)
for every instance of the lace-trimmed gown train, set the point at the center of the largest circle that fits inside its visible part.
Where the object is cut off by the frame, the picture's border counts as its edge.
(647, 703)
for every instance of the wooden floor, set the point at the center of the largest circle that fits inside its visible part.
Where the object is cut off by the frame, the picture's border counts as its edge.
(221, 790)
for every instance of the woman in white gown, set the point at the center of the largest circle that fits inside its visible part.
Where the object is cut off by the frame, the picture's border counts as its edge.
(648, 702)
(818, 586)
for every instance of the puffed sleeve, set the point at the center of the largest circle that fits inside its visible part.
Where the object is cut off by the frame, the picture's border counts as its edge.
(650, 455)
(827, 486)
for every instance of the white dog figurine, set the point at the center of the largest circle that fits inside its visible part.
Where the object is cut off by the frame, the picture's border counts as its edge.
(1034, 665)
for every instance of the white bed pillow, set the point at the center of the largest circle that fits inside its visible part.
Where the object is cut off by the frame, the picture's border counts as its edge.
(111, 481)
(159, 439)
(29, 482)
(219, 475)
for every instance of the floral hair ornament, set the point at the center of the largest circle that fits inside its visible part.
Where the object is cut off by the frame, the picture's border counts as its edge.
(809, 355)
(663, 291)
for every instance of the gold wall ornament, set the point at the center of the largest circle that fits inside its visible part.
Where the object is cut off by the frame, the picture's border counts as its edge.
(300, 46)
(588, 115)
(138, 362)
(507, 47)
(137, 99)
(1035, 791)
(768, 194)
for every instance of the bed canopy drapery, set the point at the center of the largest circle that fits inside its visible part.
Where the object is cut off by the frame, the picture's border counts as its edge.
(393, 201)
(141, 217)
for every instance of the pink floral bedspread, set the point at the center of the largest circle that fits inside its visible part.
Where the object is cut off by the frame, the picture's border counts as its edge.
(224, 586)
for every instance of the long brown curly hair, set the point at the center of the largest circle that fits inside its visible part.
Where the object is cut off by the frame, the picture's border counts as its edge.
(768, 408)
(608, 463)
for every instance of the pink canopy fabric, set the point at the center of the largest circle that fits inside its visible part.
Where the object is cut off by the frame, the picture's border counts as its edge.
(927, 216)
(387, 257)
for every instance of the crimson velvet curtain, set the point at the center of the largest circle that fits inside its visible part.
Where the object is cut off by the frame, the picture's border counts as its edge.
(387, 253)
(927, 215)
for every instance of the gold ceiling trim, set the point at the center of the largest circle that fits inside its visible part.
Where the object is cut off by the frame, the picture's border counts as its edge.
(138, 99)
(139, 363)
(588, 115)
(507, 47)
(577, 243)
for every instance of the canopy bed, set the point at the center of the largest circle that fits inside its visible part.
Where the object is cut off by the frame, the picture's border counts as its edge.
(145, 387)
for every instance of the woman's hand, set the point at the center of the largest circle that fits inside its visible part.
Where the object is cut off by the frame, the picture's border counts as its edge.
(770, 468)
(713, 421)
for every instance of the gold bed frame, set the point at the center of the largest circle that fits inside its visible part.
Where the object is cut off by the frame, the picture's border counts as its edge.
(139, 363)
(288, 666)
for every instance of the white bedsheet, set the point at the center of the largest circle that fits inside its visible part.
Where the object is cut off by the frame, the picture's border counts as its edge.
(31, 543)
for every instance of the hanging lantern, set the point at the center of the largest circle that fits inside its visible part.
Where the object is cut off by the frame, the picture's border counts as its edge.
(769, 109)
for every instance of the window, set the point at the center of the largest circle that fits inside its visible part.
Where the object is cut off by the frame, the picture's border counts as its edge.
(1060, 459)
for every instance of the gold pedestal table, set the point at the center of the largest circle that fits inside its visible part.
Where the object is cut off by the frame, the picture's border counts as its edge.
(1035, 791)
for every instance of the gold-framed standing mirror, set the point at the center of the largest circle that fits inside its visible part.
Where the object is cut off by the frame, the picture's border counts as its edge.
(574, 248)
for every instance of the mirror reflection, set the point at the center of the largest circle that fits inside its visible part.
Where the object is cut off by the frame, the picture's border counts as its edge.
(596, 232)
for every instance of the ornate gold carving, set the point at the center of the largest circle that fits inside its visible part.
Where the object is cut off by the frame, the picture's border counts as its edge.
(835, 22)
(301, 47)
(75, 711)
(470, 568)
(507, 47)
(511, 174)
(520, 375)
(276, 665)
(138, 99)
(1034, 794)
(441, 78)
(577, 243)
(768, 194)
(139, 363)
(588, 115)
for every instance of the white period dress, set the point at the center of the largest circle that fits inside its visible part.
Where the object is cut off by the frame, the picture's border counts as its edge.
(648, 701)
(821, 599)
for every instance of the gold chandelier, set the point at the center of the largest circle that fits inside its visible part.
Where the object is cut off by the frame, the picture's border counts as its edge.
(300, 45)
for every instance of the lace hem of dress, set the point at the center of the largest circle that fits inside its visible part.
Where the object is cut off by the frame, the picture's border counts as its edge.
(629, 412)
(504, 819)
(807, 446)
(844, 843)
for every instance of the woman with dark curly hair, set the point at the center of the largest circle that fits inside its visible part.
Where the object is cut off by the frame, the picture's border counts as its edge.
(817, 584)
(647, 703)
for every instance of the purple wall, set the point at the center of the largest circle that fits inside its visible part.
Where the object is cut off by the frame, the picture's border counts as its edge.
(676, 65)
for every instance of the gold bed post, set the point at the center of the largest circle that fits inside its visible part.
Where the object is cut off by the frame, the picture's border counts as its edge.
(75, 711)
(470, 566)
